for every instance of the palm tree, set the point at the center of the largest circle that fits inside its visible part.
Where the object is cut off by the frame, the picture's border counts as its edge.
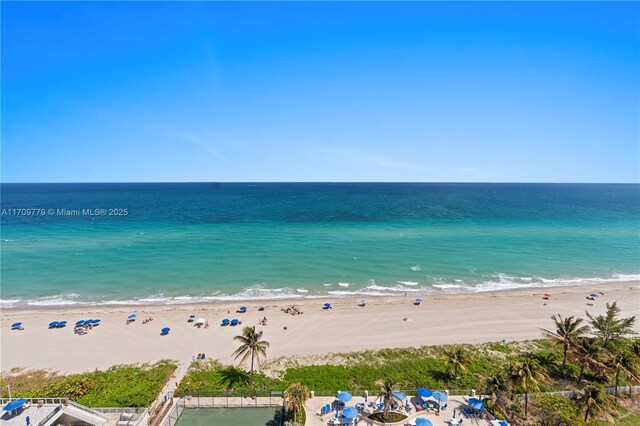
(496, 387)
(609, 327)
(295, 396)
(622, 363)
(567, 332)
(387, 387)
(586, 353)
(251, 346)
(527, 374)
(456, 358)
(595, 401)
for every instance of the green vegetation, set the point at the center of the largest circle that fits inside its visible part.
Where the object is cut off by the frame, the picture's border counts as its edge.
(119, 386)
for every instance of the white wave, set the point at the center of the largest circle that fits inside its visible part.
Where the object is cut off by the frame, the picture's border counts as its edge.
(327, 285)
(411, 283)
(54, 301)
(9, 303)
(416, 268)
(446, 286)
(343, 284)
(302, 290)
(396, 289)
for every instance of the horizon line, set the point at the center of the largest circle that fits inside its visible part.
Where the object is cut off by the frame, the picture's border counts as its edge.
(322, 182)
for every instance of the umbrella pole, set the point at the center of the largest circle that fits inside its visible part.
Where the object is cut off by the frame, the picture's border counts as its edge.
(9, 390)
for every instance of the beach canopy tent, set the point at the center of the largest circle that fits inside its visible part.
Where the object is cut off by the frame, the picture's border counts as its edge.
(424, 392)
(327, 305)
(16, 325)
(350, 412)
(62, 324)
(165, 330)
(476, 404)
(53, 324)
(344, 396)
(398, 396)
(132, 316)
(421, 421)
(82, 322)
(14, 405)
(439, 396)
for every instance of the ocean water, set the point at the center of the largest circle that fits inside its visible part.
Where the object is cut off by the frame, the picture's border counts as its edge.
(182, 243)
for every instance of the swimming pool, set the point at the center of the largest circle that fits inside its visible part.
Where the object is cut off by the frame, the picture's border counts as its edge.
(231, 417)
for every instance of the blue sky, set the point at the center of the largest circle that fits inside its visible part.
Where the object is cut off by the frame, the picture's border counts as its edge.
(491, 92)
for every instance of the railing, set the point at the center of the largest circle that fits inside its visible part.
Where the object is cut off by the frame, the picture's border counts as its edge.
(87, 409)
(50, 415)
(117, 410)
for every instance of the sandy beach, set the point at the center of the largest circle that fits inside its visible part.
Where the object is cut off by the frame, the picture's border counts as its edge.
(383, 323)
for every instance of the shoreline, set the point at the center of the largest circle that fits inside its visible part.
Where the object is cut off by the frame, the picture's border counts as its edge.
(386, 322)
(410, 293)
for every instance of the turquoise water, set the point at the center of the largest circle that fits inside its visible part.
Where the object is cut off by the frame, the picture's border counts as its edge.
(181, 243)
(230, 417)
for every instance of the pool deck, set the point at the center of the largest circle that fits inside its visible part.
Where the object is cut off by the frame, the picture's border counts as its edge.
(456, 403)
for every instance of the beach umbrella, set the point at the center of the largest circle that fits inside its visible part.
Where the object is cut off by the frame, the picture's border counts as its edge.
(439, 396)
(350, 412)
(14, 405)
(192, 316)
(344, 397)
(200, 321)
(421, 421)
(95, 321)
(594, 295)
(327, 305)
(418, 300)
(132, 316)
(82, 322)
(424, 392)
(165, 330)
(398, 396)
(62, 324)
(53, 324)
(476, 404)
(16, 325)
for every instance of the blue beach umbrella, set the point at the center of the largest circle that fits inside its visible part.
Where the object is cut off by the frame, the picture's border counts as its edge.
(82, 322)
(476, 404)
(62, 324)
(350, 412)
(192, 316)
(53, 324)
(424, 392)
(344, 397)
(132, 316)
(95, 321)
(165, 330)
(327, 305)
(16, 325)
(439, 396)
(421, 421)
(243, 308)
(594, 295)
(225, 322)
(398, 396)
(14, 405)
(418, 300)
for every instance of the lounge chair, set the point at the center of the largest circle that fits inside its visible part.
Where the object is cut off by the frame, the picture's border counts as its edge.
(468, 412)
